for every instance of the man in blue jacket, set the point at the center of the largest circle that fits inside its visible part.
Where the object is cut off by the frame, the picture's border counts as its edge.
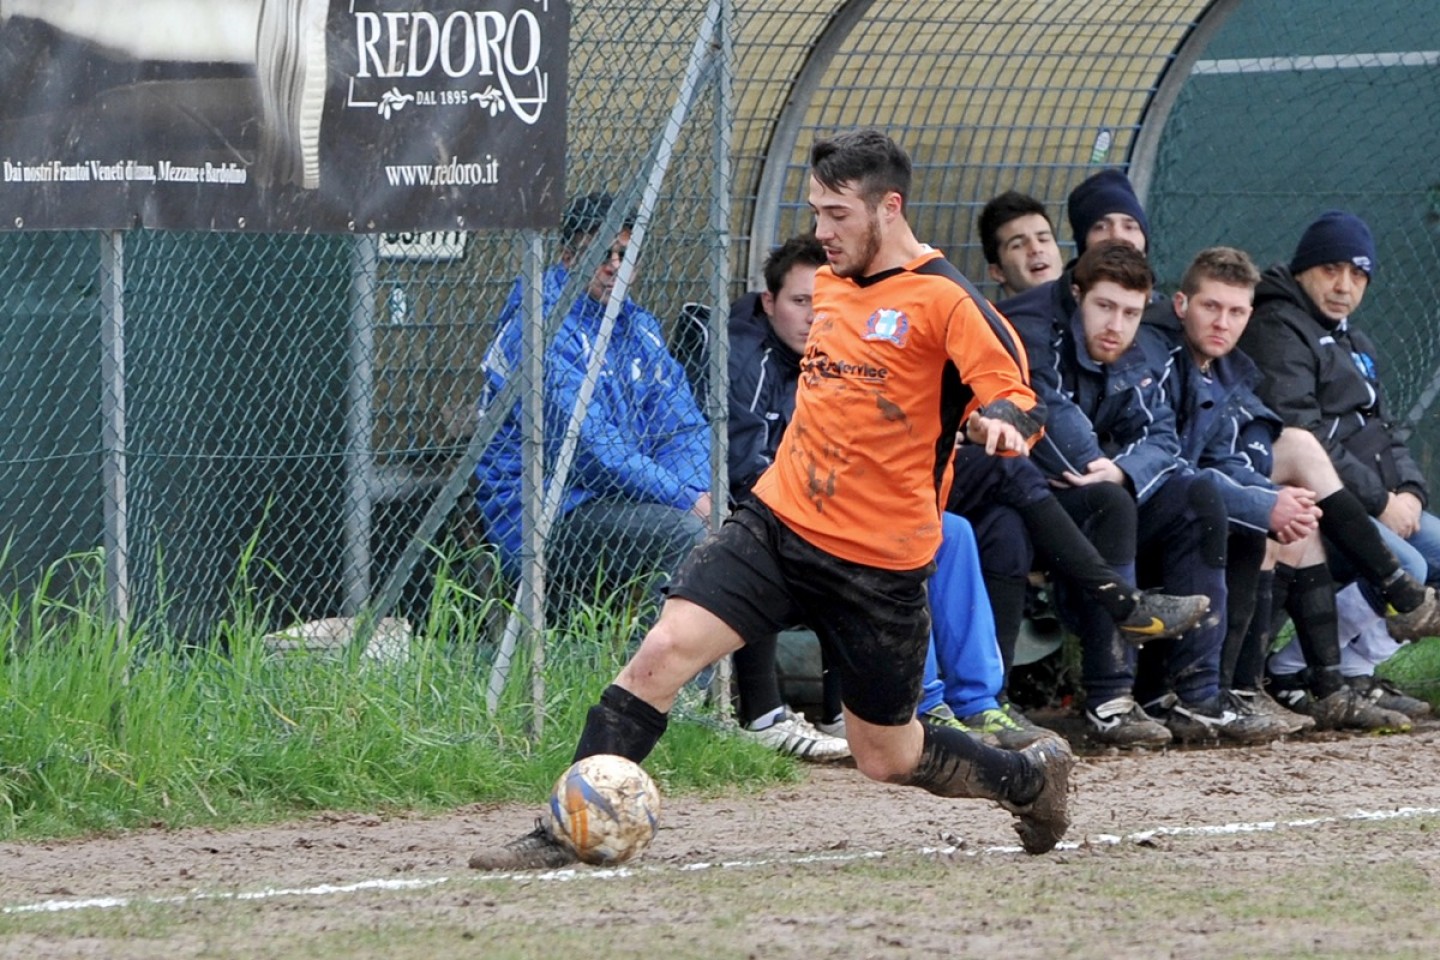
(1278, 488)
(1111, 429)
(637, 495)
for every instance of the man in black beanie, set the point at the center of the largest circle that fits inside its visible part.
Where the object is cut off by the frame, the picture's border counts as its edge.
(1104, 207)
(1322, 375)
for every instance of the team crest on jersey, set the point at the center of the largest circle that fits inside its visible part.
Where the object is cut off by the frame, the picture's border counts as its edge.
(887, 324)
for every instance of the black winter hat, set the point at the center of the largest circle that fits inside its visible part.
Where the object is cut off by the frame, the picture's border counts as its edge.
(1336, 237)
(1098, 196)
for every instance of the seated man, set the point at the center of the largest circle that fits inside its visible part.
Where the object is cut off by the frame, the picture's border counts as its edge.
(1277, 486)
(1018, 240)
(767, 338)
(637, 495)
(1323, 375)
(1112, 430)
(966, 678)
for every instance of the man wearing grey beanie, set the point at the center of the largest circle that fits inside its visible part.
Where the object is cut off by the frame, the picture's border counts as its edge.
(1323, 375)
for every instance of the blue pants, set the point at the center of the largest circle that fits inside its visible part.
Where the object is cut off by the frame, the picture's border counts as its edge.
(963, 667)
(1420, 555)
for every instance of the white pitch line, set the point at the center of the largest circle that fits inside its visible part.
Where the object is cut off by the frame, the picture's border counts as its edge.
(611, 873)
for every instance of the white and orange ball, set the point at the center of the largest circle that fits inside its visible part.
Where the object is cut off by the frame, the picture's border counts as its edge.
(605, 809)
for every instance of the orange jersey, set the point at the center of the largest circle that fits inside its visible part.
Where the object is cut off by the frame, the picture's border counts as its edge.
(893, 365)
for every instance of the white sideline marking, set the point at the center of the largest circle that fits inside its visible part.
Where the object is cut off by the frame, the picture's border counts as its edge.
(609, 873)
(1344, 61)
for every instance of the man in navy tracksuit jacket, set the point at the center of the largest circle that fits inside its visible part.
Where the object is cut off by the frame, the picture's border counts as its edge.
(1111, 432)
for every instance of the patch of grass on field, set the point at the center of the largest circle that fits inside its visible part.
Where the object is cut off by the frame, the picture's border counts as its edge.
(103, 730)
(1415, 668)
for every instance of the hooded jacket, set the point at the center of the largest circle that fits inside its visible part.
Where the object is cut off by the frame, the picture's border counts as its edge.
(1225, 430)
(763, 375)
(1325, 377)
(643, 437)
(1116, 410)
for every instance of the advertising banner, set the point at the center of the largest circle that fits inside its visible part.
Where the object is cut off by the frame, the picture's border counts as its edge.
(296, 116)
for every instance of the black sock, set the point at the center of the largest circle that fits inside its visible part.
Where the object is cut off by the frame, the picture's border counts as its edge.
(831, 703)
(1243, 582)
(1247, 672)
(1349, 529)
(1312, 607)
(622, 724)
(1007, 603)
(1063, 548)
(954, 764)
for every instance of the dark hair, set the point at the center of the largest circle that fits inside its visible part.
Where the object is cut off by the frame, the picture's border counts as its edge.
(866, 159)
(1010, 205)
(802, 248)
(1116, 261)
(1227, 265)
(585, 215)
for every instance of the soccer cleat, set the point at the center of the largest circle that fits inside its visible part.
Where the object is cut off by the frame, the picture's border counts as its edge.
(1004, 728)
(1343, 710)
(1122, 723)
(1423, 621)
(1042, 822)
(1223, 718)
(537, 850)
(1385, 695)
(1258, 701)
(1160, 615)
(793, 735)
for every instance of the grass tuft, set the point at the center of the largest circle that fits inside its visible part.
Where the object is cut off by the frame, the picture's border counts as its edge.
(104, 730)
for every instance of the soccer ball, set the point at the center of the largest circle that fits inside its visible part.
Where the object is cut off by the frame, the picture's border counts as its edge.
(604, 809)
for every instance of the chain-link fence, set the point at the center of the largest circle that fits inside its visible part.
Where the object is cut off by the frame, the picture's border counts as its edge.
(1277, 117)
(309, 409)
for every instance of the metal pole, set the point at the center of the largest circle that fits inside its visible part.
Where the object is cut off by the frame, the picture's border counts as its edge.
(114, 468)
(532, 480)
(717, 403)
(359, 427)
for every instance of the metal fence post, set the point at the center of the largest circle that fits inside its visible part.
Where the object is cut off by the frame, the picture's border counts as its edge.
(114, 466)
(359, 426)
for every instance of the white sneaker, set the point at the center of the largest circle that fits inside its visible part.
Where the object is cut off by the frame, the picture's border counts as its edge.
(794, 735)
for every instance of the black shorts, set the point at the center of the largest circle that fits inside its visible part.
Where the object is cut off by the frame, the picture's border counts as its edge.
(760, 577)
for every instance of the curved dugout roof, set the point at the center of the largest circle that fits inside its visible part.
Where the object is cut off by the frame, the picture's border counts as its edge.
(986, 96)
(1239, 121)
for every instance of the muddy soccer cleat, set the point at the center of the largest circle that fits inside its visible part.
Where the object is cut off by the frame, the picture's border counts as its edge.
(1042, 822)
(1001, 726)
(1160, 615)
(1221, 718)
(1385, 695)
(1123, 723)
(537, 850)
(1423, 621)
(1345, 709)
(1258, 701)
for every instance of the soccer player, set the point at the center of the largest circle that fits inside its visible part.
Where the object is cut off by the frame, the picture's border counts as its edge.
(903, 353)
